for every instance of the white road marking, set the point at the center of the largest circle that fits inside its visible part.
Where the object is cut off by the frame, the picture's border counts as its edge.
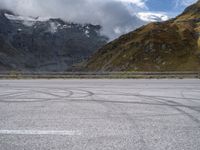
(39, 132)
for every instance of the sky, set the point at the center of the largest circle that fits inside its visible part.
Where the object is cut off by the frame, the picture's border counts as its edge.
(116, 17)
(170, 7)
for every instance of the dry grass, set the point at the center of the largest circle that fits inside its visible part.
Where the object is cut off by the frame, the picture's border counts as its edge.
(168, 46)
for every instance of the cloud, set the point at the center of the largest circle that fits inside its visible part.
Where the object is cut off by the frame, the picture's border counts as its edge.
(116, 16)
(153, 16)
(184, 3)
(139, 3)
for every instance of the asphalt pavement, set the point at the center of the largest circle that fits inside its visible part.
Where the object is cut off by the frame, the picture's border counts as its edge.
(100, 114)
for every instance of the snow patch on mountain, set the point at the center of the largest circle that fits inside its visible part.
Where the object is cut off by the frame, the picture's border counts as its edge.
(24, 18)
(53, 27)
(27, 21)
(87, 33)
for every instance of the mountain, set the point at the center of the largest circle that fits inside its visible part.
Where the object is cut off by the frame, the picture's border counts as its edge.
(172, 45)
(45, 44)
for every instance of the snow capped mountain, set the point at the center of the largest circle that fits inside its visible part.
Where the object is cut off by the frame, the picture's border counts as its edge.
(45, 44)
(24, 18)
(27, 21)
(54, 23)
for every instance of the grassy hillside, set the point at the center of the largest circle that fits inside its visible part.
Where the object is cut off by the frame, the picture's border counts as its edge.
(173, 45)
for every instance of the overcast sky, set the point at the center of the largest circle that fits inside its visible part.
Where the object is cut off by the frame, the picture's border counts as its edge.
(116, 16)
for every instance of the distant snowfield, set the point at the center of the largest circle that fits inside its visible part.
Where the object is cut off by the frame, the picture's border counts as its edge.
(25, 18)
(54, 25)
(27, 21)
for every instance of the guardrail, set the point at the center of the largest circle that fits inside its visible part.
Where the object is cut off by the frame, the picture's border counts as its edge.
(97, 75)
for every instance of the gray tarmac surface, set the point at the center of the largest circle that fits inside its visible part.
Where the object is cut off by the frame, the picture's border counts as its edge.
(100, 114)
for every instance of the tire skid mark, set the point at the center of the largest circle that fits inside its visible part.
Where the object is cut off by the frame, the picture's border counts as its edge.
(172, 103)
(86, 93)
(185, 98)
(47, 93)
(129, 119)
(16, 99)
(111, 109)
(12, 94)
(175, 108)
(70, 93)
(130, 94)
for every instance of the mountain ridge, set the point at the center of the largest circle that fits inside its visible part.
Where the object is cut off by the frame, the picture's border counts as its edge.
(45, 44)
(173, 45)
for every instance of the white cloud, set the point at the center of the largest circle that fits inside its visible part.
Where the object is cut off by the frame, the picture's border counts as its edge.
(153, 16)
(113, 15)
(139, 3)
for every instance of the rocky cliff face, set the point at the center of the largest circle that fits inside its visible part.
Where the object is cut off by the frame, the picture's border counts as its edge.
(172, 45)
(43, 44)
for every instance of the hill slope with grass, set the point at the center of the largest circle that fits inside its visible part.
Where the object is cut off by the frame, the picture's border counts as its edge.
(173, 45)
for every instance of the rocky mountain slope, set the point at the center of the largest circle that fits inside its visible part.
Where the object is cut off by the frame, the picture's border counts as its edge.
(173, 45)
(43, 44)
